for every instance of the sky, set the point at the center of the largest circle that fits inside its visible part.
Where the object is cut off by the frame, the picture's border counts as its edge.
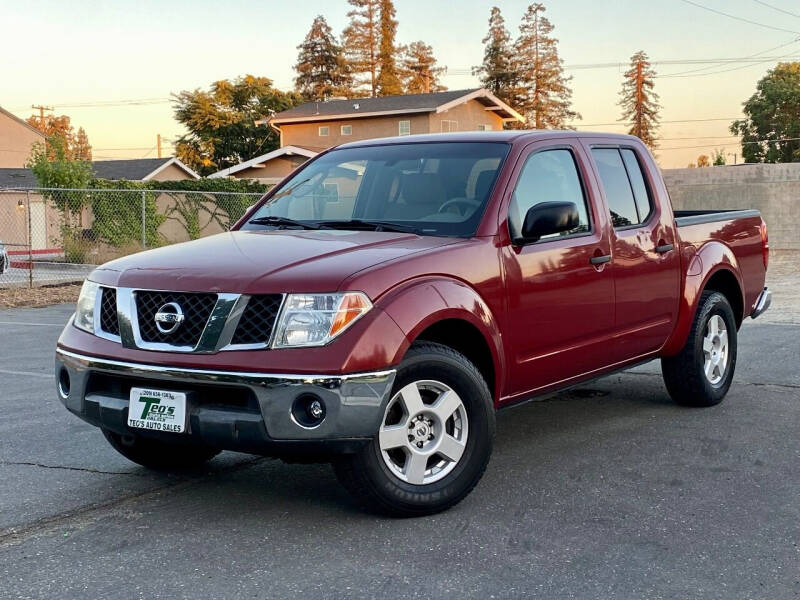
(68, 54)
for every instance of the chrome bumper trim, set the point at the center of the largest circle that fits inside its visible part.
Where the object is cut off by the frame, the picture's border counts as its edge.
(763, 303)
(205, 375)
(355, 402)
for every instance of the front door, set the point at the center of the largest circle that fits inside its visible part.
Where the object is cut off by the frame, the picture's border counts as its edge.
(559, 290)
(645, 252)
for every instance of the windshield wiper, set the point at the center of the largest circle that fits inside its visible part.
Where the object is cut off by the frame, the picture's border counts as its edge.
(282, 222)
(373, 225)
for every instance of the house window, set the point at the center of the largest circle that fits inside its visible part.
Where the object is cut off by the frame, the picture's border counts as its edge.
(324, 131)
(347, 130)
(484, 127)
(449, 126)
(404, 128)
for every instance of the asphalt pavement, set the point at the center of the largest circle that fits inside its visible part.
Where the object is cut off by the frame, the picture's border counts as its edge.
(607, 491)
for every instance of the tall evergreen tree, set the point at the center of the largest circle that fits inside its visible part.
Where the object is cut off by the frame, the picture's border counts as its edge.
(541, 91)
(81, 149)
(638, 100)
(389, 83)
(420, 72)
(362, 41)
(322, 71)
(497, 72)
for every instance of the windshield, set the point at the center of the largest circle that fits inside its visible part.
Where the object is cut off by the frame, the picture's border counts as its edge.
(431, 189)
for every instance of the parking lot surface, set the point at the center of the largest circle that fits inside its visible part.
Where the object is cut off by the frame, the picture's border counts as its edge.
(609, 490)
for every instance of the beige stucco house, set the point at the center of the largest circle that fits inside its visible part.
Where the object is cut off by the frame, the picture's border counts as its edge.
(308, 129)
(16, 140)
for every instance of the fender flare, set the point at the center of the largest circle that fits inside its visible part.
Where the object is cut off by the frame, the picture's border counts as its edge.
(709, 260)
(419, 303)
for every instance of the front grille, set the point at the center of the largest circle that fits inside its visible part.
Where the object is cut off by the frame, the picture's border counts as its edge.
(108, 311)
(255, 326)
(196, 310)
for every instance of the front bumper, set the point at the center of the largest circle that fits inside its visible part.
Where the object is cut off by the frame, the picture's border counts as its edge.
(244, 411)
(763, 303)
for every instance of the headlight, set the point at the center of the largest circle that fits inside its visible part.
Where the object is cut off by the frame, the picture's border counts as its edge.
(84, 313)
(315, 319)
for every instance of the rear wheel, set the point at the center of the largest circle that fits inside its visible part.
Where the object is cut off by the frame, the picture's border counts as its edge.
(158, 455)
(701, 374)
(435, 439)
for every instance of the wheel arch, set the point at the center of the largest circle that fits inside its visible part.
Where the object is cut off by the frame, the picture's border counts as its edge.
(713, 267)
(452, 313)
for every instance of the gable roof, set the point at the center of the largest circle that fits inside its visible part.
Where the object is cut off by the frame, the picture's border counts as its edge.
(21, 121)
(386, 105)
(285, 151)
(137, 169)
(17, 178)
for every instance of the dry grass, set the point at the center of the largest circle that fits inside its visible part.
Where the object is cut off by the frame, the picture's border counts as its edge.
(39, 296)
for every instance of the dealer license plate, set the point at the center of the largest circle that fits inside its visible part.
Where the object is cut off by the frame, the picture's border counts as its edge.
(158, 410)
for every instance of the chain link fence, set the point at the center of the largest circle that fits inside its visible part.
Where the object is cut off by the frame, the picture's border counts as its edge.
(50, 235)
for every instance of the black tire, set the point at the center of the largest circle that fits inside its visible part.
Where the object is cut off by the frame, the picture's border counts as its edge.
(684, 374)
(367, 477)
(157, 455)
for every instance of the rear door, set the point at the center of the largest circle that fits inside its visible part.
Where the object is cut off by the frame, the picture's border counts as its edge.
(644, 248)
(559, 290)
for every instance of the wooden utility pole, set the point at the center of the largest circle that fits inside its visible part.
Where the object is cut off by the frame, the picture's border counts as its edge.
(158, 144)
(41, 110)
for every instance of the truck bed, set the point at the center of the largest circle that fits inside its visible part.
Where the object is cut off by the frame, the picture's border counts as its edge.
(684, 218)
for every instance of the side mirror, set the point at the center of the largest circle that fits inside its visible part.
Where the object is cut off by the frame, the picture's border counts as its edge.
(547, 218)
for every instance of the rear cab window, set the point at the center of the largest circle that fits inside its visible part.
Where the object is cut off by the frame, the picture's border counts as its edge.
(624, 185)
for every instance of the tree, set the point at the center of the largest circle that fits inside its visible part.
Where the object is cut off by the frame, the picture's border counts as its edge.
(703, 161)
(497, 71)
(419, 70)
(322, 71)
(389, 83)
(638, 100)
(221, 122)
(361, 42)
(541, 91)
(772, 124)
(718, 158)
(75, 146)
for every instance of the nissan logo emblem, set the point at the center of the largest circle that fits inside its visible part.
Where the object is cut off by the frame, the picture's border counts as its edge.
(169, 317)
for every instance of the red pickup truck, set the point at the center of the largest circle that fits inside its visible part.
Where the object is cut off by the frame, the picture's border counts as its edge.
(380, 304)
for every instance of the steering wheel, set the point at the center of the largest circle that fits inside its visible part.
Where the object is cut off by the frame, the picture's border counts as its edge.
(465, 202)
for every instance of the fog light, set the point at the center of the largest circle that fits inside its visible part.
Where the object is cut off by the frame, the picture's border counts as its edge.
(63, 383)
(308, 410)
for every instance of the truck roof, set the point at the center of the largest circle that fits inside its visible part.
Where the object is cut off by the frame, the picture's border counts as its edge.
(507, 136)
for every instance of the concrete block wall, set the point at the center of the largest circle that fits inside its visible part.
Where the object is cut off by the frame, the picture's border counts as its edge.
(772, 189)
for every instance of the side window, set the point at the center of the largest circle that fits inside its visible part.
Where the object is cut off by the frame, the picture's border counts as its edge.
(548, 176)
(617, 187)
(404, 128)
(324, 130)
(643, 204)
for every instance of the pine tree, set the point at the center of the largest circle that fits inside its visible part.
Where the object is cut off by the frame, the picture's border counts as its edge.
(389, 83)
(541, 91)
(497, 72)
(81, 149)
(361, 43)
(322, 71)
(420, 72)
(638, 100)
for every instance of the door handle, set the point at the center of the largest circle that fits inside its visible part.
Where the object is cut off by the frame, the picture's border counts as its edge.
(599, 260)
(664, 248)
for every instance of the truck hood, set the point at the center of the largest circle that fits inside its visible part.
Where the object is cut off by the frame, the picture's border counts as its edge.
(251, 262)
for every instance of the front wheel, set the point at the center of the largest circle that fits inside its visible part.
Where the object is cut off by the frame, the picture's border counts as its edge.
(434, 441)
(701, 374)
(157, 455)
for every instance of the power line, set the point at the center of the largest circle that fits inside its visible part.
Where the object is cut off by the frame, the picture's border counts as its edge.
(718, 64)
(786, 12)
(733, 69)
(794, 139)
(742, 19)
(624, 124)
